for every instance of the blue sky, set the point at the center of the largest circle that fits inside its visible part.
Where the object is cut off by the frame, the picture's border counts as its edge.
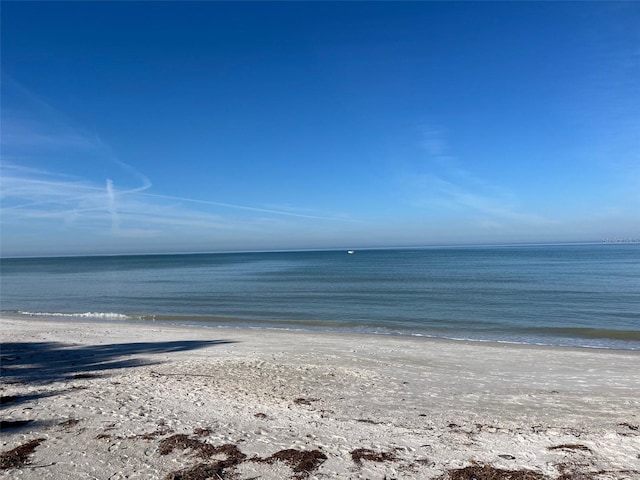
(207, 126)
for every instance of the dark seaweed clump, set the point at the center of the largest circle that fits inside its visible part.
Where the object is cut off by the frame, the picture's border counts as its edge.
(486, 472)
(365, 454)
(19, 456)
(301, 462)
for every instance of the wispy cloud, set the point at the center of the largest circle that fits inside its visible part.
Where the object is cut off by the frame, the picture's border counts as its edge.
(106, 196)
(442, 185)
(32, 194)
(454, 197)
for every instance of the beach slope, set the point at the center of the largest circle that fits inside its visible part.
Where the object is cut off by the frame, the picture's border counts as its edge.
(84, 400)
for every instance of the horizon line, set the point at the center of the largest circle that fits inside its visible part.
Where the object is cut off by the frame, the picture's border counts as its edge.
(333, 249)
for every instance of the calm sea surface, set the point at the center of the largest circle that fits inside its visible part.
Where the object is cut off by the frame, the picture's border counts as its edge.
(586, 295)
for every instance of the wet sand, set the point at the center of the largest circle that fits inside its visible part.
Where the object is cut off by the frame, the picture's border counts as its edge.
(114, 400)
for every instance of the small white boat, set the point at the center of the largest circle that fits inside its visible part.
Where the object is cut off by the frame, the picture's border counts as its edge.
(351, 252)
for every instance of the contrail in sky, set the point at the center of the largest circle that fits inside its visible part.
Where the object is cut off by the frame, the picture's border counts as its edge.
(244, 207)
(111, 206)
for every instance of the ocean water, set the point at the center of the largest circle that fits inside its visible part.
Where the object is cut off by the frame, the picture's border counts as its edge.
(574, 295)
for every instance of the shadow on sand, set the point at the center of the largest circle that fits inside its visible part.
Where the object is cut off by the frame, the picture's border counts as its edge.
(42, 363)
(38, 364)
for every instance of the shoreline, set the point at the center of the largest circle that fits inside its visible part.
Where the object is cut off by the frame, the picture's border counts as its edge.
(108, 398)
(312, 327)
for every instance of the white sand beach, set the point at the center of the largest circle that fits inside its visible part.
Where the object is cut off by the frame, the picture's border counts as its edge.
(89, 400)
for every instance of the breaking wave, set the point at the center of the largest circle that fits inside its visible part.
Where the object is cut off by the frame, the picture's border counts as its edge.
(103, 315)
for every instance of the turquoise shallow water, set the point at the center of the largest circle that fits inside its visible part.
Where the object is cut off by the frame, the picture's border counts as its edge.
(579, 295)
